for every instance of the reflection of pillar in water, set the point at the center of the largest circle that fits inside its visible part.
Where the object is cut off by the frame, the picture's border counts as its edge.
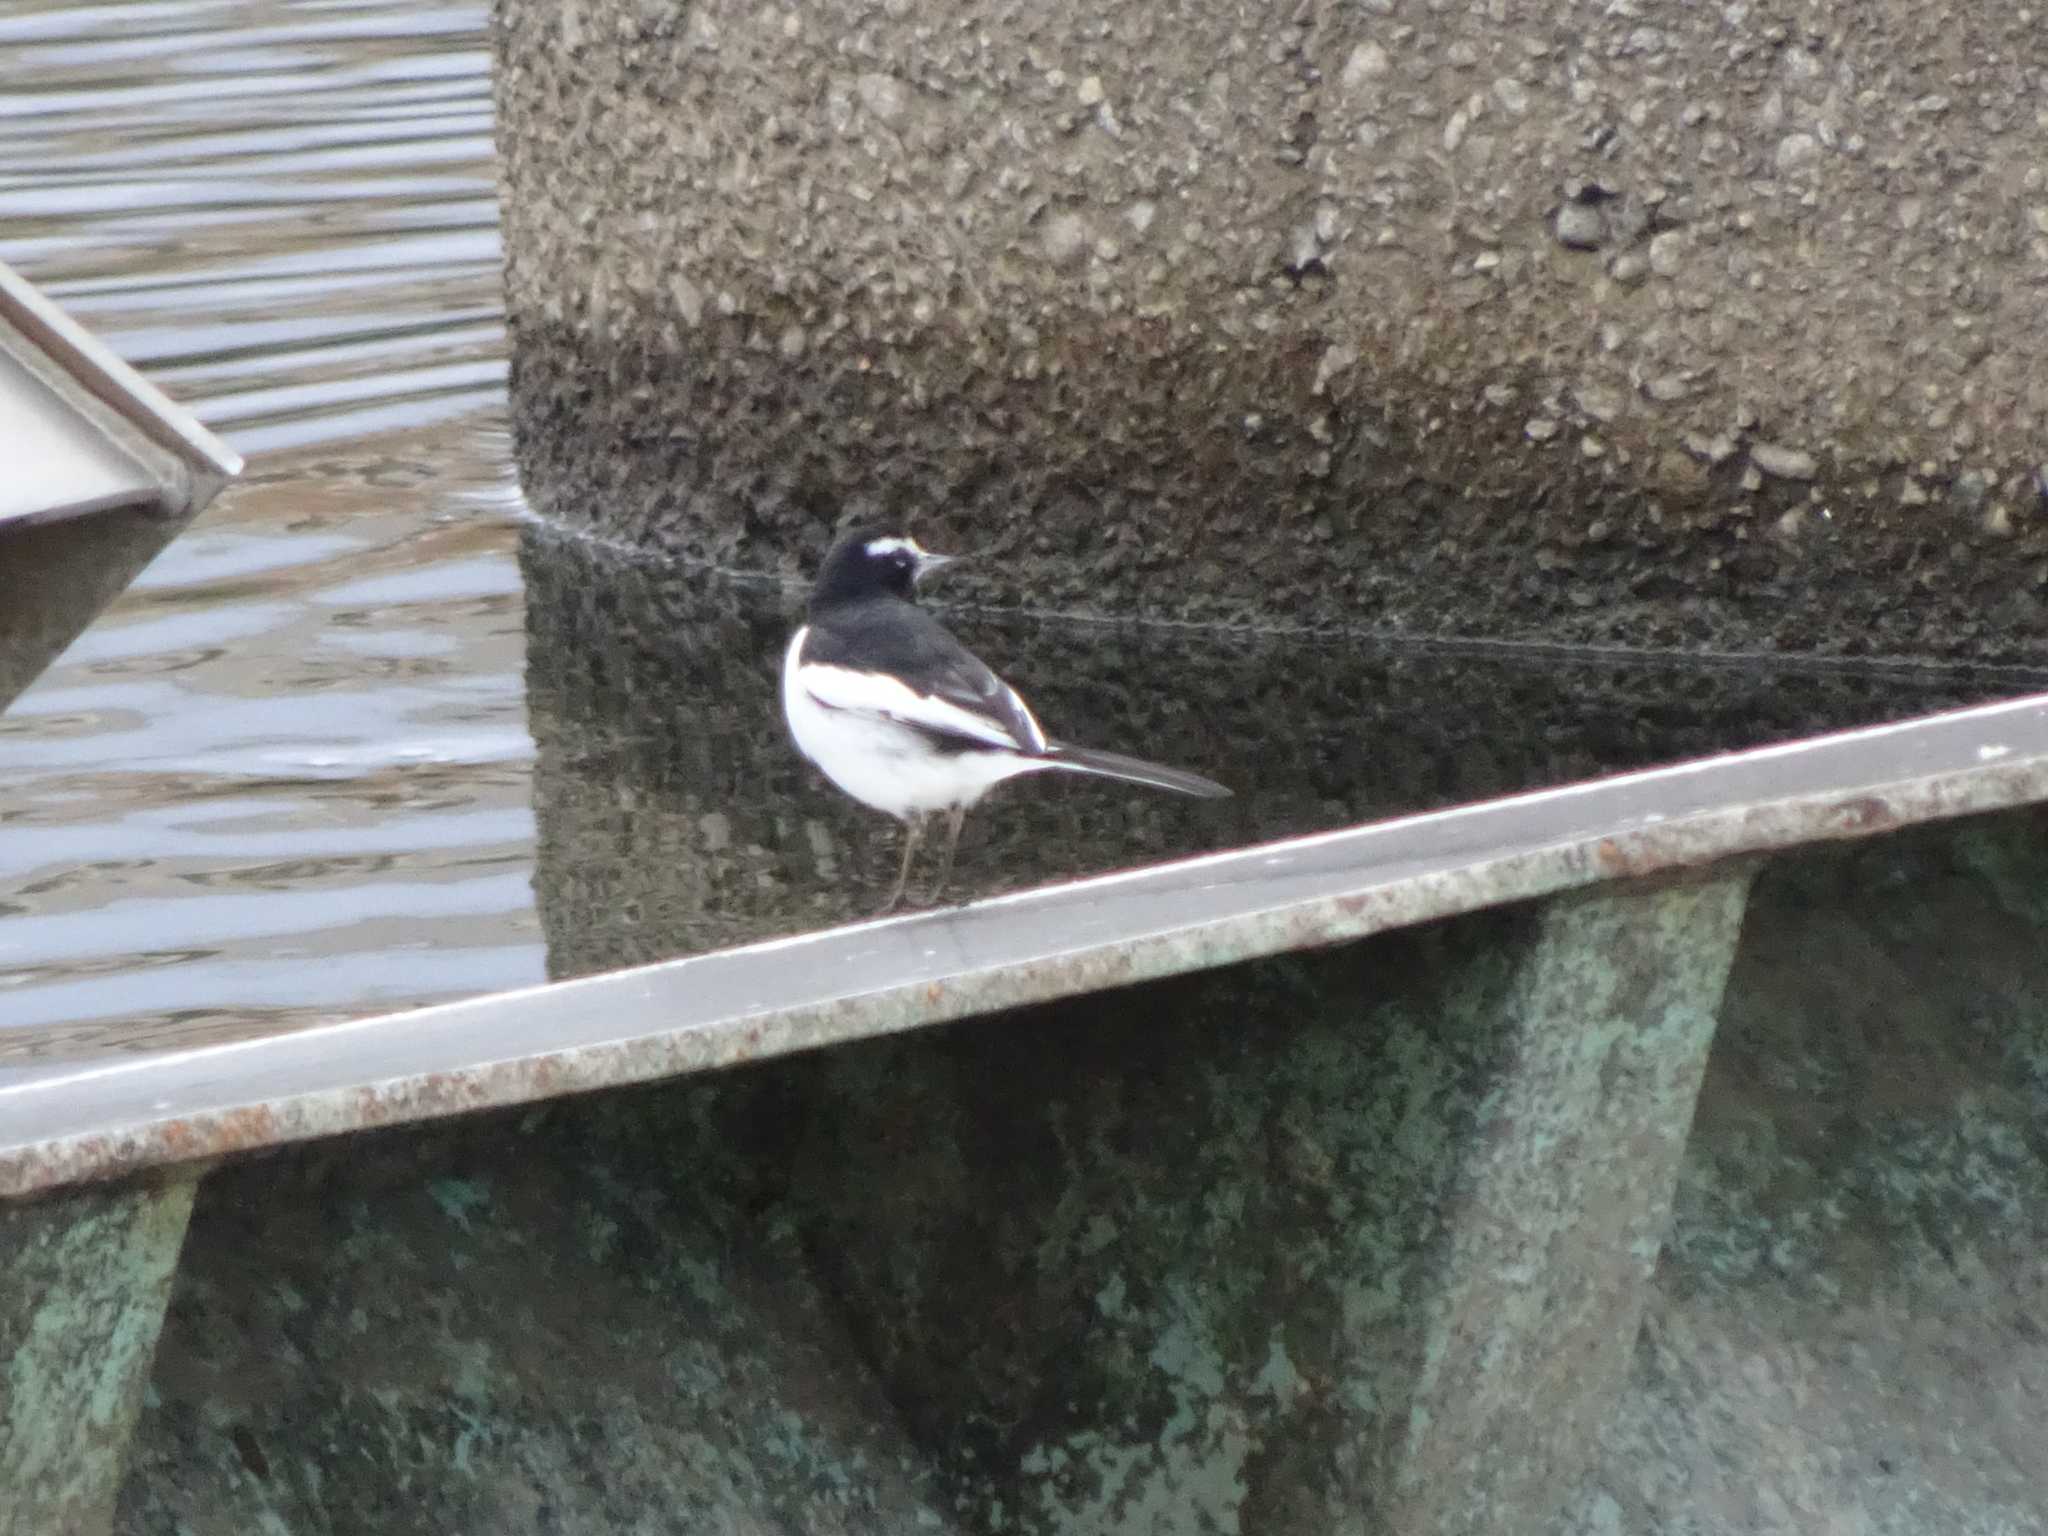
(675, 816)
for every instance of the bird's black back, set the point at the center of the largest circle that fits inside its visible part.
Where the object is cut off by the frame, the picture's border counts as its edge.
(888, 634)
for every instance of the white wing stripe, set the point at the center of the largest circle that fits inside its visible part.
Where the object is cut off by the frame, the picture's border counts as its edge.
(873, 693)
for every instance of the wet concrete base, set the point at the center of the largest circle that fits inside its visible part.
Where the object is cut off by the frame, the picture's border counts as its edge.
(1710, 329)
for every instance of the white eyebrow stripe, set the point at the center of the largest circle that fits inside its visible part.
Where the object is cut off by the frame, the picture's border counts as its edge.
(892, 546)
(874, 693)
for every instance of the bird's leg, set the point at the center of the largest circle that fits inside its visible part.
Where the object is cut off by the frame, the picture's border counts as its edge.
(956, 818)
(913, 828)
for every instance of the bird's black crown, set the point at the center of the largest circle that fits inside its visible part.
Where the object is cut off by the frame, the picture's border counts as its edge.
(869, 564)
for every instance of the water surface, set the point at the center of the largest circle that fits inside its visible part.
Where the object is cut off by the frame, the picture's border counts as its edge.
(286, 777)
(365, 736)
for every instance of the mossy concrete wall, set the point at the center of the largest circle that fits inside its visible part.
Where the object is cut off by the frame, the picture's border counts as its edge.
(1191, 1250)
(1186, 1249)
(1845, 1333)
(83, 1281)
(1679, 325)
(1353, 1236)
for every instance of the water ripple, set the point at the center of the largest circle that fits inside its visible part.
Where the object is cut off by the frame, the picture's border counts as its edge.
(297, 200)
(287, 777)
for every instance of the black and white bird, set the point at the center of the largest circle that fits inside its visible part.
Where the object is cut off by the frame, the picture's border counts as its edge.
(905, 718)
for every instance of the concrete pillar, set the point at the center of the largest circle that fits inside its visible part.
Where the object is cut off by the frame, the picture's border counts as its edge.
(1530, 320)
(1560, 1202)
(84, 1277)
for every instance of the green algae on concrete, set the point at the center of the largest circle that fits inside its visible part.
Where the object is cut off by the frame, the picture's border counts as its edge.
(1554, 1229)
(1261, 1249)
(581, 1320)
(1845, 1331)
(83, 1280)
(1350, 1240)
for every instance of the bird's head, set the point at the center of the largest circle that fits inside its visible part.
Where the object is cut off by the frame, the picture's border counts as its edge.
(870, 564)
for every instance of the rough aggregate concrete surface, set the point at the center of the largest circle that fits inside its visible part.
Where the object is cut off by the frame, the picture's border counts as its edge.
(1664, 324)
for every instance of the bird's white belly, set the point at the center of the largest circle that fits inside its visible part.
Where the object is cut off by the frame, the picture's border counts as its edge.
(885, 765)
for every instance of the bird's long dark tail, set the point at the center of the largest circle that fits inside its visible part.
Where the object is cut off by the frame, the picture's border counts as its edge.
(1134, 770)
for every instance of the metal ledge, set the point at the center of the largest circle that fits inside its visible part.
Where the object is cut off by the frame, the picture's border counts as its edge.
(179, 465)
(103, 471)
(62, 1125)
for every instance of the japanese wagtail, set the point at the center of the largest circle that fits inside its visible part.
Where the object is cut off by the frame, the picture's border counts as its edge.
(905, 718)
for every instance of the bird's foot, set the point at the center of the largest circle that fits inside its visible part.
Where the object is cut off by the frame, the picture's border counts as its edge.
(913, 830)
(954, 820)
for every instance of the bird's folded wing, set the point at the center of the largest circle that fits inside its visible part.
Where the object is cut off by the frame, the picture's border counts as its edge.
(993, 716)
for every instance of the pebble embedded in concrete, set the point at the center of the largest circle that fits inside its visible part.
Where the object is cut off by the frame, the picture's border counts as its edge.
(1065, 237)
(1667, 253)
(1714, 450)
(1368, 61)
(1782, 463)
(1580, 226)
(881, 94)
(1598, 401)
(1796, 151)
(1337, 357)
